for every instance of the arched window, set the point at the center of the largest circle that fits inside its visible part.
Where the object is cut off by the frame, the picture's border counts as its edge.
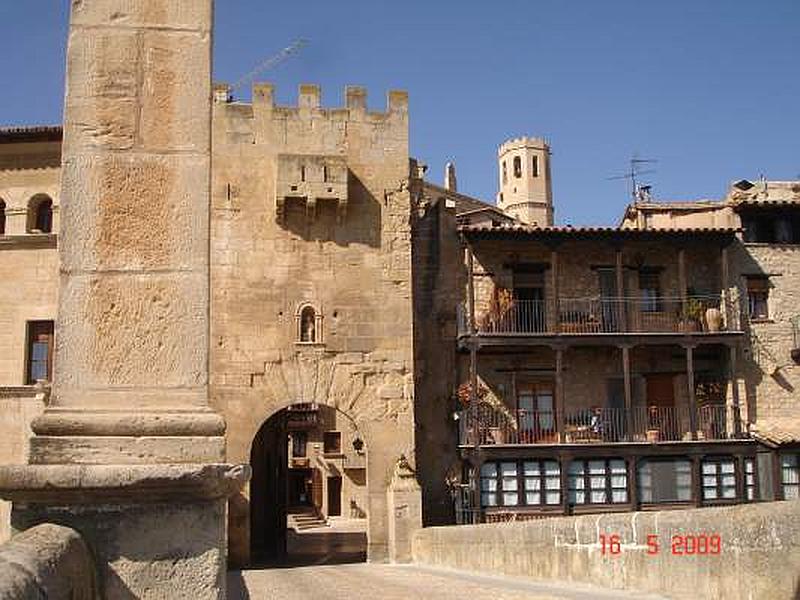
(517, 167)
(2, 217)
(505, 173)
(40, 214)
(308, 325)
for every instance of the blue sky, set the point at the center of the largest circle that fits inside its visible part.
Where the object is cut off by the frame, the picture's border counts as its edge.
(710, 88)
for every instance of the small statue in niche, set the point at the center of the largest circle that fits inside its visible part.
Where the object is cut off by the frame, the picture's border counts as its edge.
(308, 325)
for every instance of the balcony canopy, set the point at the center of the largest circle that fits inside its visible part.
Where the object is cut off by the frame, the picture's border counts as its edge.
(713, 235)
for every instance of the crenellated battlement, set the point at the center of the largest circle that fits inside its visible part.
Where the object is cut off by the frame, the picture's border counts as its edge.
(538, 143)
(309, 98)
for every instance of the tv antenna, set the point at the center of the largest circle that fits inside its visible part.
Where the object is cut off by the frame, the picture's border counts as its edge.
(272, 62)
(633, 175)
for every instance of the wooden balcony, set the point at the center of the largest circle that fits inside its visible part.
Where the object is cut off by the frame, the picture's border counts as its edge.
(654, 424)
(605, 316)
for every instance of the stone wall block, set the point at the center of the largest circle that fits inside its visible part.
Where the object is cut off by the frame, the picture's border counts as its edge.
(195, 15)
(173, 99)
(103, 76)
(134, 213)
(142, 330)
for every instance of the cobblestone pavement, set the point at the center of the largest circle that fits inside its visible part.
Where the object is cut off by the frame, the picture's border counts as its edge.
(401, 582)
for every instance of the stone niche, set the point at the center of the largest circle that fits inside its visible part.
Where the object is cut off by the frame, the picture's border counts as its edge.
(308, 179)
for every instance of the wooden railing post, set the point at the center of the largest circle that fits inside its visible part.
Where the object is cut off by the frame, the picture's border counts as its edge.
(690, 386)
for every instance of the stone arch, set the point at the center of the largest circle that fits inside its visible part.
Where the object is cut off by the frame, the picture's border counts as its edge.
(40, 214)
(375, 394)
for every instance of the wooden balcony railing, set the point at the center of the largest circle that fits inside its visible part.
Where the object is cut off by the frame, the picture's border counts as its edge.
(599, 425)
(706, 313)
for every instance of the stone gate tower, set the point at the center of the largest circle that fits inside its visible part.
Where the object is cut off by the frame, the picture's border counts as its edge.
(525, 184)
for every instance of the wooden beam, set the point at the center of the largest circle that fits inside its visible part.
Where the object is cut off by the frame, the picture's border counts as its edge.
(682, 282)
(725, 284)
(736, 412)
(555, 320)
(690, 389)
(560, 393)
(470, 290)
(622, 312)
(626, 374)
(473, 395)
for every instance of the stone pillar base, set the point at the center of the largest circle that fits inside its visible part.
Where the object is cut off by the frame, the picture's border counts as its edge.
(404, 502)
(156, 531)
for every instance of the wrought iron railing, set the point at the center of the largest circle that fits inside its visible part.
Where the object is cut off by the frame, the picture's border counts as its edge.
(492, 426)
(696, 313)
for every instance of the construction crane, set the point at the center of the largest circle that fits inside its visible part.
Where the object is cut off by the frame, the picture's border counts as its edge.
(271, 63)
(633, 175)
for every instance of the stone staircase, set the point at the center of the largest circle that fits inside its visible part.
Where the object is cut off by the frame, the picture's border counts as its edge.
(306, 518)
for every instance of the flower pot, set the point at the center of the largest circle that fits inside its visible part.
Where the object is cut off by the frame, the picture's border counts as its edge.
(713, 319)
(653, 435)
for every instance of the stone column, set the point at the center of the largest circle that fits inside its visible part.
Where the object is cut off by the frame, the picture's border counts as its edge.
(122, 454)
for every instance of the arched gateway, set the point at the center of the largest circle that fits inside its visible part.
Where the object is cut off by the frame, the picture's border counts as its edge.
(308, 493)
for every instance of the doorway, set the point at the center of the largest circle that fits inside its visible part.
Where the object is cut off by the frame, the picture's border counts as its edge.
(334, 496)
(662, 416)
(298, 481)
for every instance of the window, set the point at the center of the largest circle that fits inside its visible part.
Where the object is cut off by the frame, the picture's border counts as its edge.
(535, 166)
(40, 352)
(536, 416)
(2, 217)
(667, 480)
(790, 476)
(302, 172)
(325, 173)
(517, 167)
(719, 479)
(308, 325)
(603, 481)
(650, 289)
(332, 442)
(520, 483)
(750, 491)
(771, 226)
(299, 443)
(541, 482)
(505, 173)
(758, 297)
(40, 214)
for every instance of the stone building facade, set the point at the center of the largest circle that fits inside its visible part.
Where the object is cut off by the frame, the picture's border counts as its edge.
(432, 325)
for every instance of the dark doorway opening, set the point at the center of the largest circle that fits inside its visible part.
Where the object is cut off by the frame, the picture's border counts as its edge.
(297, 489)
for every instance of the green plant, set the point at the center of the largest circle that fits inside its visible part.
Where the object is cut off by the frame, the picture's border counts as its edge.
(694, 310)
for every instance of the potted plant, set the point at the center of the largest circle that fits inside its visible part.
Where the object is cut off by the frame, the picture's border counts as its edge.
(692, 316)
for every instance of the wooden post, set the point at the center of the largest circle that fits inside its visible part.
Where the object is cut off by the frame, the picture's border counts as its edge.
(555, 318)
(473, 394)
(560, 393)
(697, 479)
(682, 283)
(633, 488)
(725, 309)
(622, 312)
(564, 462)
(470, 291)
(626, 374)
(690, 386)
(734, 383)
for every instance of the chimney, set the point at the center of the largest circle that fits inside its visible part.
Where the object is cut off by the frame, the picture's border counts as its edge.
(450, 182)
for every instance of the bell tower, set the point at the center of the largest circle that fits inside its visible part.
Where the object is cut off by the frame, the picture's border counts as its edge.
(525, 186)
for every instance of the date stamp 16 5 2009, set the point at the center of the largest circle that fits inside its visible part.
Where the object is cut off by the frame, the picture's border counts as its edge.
(679, 545)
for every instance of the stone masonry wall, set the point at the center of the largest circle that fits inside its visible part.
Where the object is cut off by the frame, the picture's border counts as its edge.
(759, 557)
(351, 263)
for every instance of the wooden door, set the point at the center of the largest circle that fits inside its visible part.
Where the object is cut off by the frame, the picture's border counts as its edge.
(661, 413)
(661, 390)
(536, 415)
(334, 496)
